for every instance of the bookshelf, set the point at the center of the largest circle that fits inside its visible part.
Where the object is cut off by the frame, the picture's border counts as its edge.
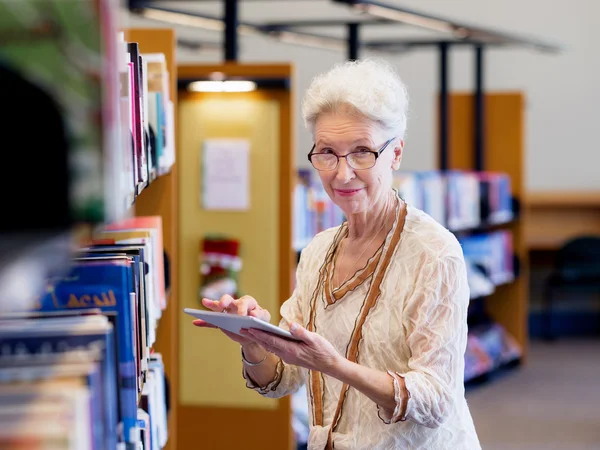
(83, 335)
(161, 198)
(504, 130)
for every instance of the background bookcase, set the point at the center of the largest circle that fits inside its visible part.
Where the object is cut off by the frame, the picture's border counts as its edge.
(504, 131)
(160, 198)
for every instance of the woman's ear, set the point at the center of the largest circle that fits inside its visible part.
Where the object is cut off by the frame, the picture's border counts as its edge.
(397, 155)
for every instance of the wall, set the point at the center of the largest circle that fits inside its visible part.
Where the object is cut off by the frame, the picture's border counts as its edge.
(562, 91)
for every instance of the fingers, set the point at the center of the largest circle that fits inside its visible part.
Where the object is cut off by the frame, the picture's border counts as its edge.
(245, 305)
(225, 302)
(247, 335)
(212, 304)
(270, 342)
(298, 331)
(202, 324)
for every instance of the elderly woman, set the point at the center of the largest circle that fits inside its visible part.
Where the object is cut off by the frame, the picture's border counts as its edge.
(380, 304)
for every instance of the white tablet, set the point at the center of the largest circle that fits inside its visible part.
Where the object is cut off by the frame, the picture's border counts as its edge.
(234, 323)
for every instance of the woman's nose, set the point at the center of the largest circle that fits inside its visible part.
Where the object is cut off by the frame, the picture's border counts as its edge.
(344, 171)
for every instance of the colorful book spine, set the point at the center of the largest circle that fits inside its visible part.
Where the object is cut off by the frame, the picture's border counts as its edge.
(106, 286)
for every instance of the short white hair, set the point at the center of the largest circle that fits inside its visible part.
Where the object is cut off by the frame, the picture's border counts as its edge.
(369, 87)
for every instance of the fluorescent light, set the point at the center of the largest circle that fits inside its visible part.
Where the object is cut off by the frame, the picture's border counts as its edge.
(222, 86)
(404, 17)
(206, 23)
(183, 19)
(213, 24)
(307, 40)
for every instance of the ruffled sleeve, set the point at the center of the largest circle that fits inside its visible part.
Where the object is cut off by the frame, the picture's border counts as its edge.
(435, 318)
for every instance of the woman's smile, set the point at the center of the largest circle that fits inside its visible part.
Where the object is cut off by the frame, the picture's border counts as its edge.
(347, 192)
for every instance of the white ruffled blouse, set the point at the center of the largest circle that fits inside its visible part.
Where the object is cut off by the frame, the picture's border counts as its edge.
(404, 313)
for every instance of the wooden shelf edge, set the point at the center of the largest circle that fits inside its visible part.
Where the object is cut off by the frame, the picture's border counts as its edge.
(563, 198)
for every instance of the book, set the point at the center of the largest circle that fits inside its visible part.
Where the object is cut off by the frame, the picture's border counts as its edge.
(106, 285)
(128, 161)
(46, 353)
(137, 110)
(154, 225)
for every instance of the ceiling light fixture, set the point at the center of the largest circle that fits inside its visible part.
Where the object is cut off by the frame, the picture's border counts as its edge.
(183, 19)
(405, 17)
(215, 24)
(222, 86)
(308, 40)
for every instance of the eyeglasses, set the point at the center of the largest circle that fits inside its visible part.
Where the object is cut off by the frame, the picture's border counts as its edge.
(359, 160)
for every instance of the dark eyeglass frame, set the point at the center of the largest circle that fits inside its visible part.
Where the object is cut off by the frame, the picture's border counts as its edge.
(376, 153)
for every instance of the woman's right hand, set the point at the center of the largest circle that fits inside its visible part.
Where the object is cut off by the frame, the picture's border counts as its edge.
(243, 306)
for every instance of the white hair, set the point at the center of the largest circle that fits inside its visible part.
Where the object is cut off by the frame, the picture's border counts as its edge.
(369, 87)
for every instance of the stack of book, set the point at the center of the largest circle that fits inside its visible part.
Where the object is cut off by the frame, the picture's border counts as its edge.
(87, 345)
(489, 347)
(313, 210)
(459, 200)
(58, 383)
(78, 322)
(491, 253)
(145, 118)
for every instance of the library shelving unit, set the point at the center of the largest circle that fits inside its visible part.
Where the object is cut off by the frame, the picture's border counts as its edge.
(50, 234)
(160, 198)
(503, 127)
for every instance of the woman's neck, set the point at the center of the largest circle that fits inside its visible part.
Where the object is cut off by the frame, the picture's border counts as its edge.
(373, 220)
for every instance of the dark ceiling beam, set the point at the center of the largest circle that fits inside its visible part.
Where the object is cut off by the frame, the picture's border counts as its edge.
(196, 45)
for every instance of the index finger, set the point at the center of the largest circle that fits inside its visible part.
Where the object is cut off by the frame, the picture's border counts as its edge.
(245, 304)
(225, 302)
(211, 304)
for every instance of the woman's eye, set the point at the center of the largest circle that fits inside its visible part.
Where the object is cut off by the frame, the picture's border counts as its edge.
(362, 154)
(325, 150)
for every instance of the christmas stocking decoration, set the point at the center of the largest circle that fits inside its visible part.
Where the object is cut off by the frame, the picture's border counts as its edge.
(220, 265)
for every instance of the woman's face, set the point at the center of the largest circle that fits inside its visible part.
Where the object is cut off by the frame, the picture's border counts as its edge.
(355, 190)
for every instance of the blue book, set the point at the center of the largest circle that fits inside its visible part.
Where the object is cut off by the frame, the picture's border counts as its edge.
(144, 325)
(58, 344)
(106, 284)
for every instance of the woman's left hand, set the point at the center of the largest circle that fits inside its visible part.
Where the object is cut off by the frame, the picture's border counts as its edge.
(312, 352)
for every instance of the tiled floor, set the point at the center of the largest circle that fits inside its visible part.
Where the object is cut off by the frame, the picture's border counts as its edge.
(551, 403)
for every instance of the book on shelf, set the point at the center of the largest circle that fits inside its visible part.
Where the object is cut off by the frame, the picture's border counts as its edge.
(314, 212)
(77, 327)
(60, 367)
(493, 252)
(160, 109)
(489, 347)
(129, 178)
(116, 281)
(459, 200)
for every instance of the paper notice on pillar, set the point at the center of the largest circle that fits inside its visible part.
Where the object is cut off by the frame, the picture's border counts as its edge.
(226, 174)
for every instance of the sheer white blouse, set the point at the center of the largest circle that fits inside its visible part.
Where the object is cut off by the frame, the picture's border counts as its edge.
(404, 312)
